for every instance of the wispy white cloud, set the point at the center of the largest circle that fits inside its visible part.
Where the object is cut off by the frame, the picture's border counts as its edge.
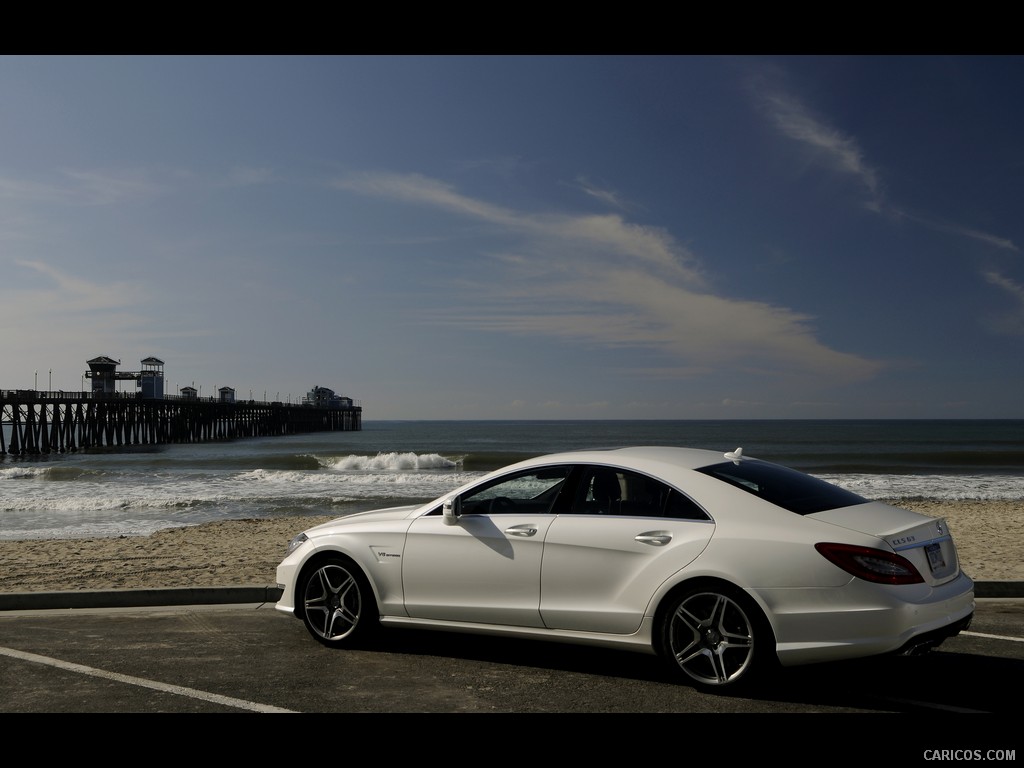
(603, 281)
(64, 292)
(974, 234)
(104, 188)
(1016, 290)
(829, 145)
(23, 190)
(842, 154)
(79, 187)
(413, 188)
(602, 194)
(1012, 321)
(247, 176)
(589, 232)
(53, 317)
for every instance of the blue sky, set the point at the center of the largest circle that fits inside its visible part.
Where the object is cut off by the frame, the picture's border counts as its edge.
(478, 237)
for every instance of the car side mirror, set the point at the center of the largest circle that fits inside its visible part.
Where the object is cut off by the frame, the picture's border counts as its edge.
(450, 510)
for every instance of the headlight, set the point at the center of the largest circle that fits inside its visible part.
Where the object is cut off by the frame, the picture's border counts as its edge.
(295, 543)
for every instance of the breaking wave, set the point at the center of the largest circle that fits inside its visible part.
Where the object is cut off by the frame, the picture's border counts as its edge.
(393, 462)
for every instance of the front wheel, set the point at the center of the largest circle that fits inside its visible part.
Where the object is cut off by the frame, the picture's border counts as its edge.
(337, 605)
(716, 636)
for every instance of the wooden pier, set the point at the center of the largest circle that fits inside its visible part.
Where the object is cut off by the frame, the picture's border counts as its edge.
(35, 422)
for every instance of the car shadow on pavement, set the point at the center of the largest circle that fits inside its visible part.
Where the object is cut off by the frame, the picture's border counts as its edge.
(948, 681)
(937, 681)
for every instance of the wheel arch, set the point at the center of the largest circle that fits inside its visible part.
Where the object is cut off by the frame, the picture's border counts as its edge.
(750, 601)
(704, 663)
(324, 555)
(335, 599)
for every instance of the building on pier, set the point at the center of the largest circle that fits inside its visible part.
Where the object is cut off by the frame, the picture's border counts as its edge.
(322, 397)
(104, 375)
(151, 378)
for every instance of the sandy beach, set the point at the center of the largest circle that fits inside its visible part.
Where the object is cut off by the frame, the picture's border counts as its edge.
(989, 537)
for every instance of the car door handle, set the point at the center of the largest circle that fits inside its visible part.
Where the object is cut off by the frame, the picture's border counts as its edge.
(524, 530)
(655, 538)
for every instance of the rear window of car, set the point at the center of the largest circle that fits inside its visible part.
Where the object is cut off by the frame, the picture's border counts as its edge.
(784, 487)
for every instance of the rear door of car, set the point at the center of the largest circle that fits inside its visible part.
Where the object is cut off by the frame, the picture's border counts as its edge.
(627, 534)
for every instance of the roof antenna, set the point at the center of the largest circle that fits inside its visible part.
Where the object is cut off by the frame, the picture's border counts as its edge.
(735, 455)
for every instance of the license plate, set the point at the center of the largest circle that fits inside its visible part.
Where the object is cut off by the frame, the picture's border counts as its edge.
(935, 559)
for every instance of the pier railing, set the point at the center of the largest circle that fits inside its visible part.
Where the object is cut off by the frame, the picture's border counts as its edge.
(41, 422)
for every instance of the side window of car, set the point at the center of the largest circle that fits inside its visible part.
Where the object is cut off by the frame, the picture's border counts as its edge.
(530, 492)
(681, 506)
(600, 492)
(611, 491)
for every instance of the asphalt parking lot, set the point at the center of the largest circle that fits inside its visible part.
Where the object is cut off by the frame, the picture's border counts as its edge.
(247, 657)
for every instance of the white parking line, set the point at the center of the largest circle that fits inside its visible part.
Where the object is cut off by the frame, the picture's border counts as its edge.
(213, 698)
(994, 637)
(940, 707)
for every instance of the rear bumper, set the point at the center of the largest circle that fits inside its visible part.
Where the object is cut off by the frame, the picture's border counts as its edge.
(863, 619)
(927, 641)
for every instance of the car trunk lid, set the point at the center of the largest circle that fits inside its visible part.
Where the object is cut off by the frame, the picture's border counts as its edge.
(924, 541)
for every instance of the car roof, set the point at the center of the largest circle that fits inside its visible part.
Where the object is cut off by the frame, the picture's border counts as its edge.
(640, 457)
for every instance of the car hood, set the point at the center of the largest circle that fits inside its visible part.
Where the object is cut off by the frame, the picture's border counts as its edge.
(391, 513)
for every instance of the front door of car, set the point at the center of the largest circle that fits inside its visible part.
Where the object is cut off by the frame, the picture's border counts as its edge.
(627, 534)
(486, 567)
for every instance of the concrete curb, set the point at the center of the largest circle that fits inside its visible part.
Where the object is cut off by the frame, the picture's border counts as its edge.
(137, 598)
(999, 589)
(145, 598)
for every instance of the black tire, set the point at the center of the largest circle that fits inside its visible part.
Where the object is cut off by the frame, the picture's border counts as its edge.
(337, 604)
(717, 637)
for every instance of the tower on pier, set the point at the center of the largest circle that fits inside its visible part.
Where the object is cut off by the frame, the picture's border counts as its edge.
(103, 372)
(151, 378)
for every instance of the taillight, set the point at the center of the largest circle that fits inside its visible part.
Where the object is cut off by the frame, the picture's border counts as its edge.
(875, 565)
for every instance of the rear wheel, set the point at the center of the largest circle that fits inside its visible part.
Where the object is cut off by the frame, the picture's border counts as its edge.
(716, 636)
(337, 605)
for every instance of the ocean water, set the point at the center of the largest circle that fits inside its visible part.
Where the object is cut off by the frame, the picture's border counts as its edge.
(138, 490)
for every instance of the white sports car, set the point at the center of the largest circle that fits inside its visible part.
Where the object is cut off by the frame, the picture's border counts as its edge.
(721, 563)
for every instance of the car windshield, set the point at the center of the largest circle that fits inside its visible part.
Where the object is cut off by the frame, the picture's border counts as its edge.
(786, 488)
